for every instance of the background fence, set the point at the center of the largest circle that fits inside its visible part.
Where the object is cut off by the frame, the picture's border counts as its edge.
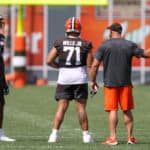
(43, 24)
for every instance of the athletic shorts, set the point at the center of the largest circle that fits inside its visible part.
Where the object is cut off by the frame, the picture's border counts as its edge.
(70, 92)
(2, 100)
(118, 96)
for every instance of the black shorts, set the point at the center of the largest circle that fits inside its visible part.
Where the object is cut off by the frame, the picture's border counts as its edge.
(2, 100)
(70, 92)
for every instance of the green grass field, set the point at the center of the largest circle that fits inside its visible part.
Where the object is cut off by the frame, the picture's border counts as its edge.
(29, 113)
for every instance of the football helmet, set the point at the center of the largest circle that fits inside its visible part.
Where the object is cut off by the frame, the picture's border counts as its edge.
(1, 19)
(73, 25)
(1, 22)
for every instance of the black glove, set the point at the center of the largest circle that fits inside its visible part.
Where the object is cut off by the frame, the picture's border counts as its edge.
(94, 88)
(5, 90)
(93, 93)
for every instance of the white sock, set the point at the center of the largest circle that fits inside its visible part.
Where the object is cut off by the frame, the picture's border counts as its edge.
(54, 131)
(85, 132)
(1, 132)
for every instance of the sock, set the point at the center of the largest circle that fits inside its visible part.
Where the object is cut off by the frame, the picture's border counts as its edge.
(54, 131)
(85, 132)
(1, 132)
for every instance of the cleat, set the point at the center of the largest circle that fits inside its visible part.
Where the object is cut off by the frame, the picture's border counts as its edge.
(87, 138)
(132, 140)
(53, 138)
(4, 138)
(110, 141)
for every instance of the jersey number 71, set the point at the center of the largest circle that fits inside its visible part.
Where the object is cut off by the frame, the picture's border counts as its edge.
(71, 51)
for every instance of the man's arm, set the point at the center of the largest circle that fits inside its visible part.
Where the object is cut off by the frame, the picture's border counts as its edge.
(89, 61)
(146, 53)
(3, 84)
(51, 58)
(93, 73)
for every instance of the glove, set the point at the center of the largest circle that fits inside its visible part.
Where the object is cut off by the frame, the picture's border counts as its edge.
(94, 88)
(93, 92)
(5, 90)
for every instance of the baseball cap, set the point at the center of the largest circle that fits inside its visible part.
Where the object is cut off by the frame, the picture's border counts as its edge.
(115, 27)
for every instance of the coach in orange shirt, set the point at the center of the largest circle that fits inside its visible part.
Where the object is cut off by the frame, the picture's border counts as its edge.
(116, 54)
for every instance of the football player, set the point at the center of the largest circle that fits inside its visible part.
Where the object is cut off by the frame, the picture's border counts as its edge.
(3, 85)
(74, 59)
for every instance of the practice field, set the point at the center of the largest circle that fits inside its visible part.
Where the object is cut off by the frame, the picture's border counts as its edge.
(29, 113)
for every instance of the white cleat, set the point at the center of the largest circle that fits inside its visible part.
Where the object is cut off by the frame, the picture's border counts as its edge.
(4, 138)
(87, 138)
(53, 138)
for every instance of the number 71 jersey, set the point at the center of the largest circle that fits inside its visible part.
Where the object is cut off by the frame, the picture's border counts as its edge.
(72, 57)
(72, 51)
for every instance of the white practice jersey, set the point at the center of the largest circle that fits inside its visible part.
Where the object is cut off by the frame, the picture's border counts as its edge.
(72, 57)
(73, 75)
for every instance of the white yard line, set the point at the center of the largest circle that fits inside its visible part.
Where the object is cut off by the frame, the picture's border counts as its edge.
(37, 147)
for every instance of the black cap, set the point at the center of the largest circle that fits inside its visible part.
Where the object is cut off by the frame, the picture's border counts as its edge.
(115, 27)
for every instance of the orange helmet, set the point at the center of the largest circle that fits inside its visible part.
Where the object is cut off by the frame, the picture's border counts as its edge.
(73, 25)
(1, 22)
(1, 19)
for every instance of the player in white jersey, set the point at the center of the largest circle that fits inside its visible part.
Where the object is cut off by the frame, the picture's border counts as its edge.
(74, 61)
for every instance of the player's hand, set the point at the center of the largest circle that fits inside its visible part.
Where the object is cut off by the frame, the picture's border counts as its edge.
(5, 90)
(94, 85)
(94, 88)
